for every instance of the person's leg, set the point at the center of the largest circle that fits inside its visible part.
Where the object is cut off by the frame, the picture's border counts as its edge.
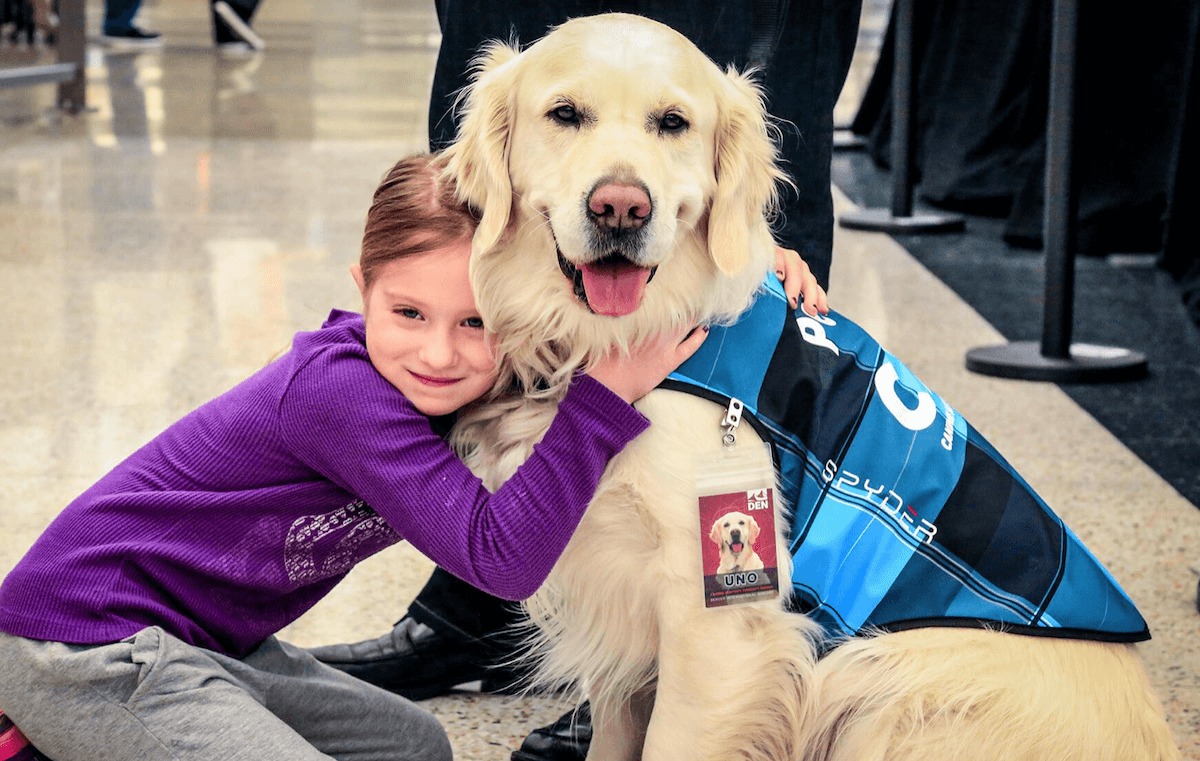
(245, 9)
(452, 633)
(231, 22)
(118, 26)
(466, 27)
(154, 698)
(803, 77)
(339, 715)
(127, 701)
(449, 604)
(119, 14)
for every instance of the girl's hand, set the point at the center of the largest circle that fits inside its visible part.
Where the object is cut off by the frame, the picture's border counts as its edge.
(798, 280)
(632, 376)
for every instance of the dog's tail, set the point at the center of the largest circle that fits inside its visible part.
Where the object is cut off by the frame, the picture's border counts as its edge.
(987, 696)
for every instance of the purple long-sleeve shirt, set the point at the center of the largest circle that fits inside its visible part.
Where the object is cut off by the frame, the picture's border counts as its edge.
(238, 518)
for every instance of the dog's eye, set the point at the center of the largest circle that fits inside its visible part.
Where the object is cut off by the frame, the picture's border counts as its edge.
(672, 123)
(565, 115)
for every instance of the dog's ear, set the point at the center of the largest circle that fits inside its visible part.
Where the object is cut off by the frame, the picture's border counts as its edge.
(753, 530)
(747, 172)
(477, 161)
(715, 534)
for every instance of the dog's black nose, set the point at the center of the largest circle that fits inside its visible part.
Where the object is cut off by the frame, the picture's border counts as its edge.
(615, 206)
(736, 535)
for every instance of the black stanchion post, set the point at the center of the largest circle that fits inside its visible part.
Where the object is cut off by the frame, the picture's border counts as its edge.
(72, 43)
(1056, 359)
(904, 81)
(900, 218)
(1061, 196)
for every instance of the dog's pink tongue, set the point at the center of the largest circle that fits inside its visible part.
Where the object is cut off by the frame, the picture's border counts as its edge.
(614, 290)
(736, 546)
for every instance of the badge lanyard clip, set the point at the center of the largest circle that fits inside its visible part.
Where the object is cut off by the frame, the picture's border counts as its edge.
(731, 421)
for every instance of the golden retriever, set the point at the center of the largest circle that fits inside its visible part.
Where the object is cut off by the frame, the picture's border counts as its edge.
(735, 533)
(625, 183)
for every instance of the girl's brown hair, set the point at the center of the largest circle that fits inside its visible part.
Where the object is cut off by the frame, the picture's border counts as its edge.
(414, 211)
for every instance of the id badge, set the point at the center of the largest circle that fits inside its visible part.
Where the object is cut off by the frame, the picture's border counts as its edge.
(736, 490)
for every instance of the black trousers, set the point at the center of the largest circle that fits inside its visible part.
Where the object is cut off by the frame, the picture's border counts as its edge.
(243, 8)
(457, 610)
(802, 49)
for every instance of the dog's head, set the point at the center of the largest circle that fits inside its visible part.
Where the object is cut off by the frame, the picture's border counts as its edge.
(734, 532)
(624, 182)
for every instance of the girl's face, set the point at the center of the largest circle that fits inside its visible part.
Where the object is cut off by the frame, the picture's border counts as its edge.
(424, 333)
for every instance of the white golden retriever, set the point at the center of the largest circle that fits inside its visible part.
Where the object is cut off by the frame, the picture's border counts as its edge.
(625, 181)
(734, 534)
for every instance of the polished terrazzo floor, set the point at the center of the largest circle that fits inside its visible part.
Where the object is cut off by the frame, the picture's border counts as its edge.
(168, 241)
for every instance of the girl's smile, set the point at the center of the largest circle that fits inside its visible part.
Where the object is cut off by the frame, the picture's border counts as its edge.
(435, 381)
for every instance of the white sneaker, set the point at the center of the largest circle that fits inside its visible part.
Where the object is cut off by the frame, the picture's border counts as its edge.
(235, 48)
(237, 26)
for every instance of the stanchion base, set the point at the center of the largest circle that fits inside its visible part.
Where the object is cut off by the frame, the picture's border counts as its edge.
(1088, 363)
(882, 221)
(845, 140)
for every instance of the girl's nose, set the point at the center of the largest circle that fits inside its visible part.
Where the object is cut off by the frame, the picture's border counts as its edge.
(439, 350)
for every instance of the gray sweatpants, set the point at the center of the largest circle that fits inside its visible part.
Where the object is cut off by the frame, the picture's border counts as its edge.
(152, 697)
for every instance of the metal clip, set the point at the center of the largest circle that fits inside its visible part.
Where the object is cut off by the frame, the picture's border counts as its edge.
(733, 417)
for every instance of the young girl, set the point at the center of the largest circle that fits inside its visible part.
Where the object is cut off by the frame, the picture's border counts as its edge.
(140, 624)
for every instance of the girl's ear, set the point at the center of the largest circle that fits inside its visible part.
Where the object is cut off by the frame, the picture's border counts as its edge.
(477, 161)
(747, 173)
(357, 274)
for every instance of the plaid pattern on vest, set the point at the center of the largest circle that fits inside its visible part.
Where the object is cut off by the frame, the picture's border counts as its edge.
(903, 515)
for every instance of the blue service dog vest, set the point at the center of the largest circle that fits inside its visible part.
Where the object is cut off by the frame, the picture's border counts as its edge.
(903, 515)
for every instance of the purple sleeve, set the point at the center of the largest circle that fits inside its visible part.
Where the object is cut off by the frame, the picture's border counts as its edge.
(349, 424)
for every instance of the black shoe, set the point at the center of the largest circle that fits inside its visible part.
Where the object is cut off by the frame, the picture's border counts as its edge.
(134, 37)
(238, 26)
(565, 740)
(417, 662)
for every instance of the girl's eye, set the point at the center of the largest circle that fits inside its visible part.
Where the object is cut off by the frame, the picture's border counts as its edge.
(408, 313)
(473, 322)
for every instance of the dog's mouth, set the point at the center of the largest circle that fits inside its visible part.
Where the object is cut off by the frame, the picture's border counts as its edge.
(736, 547)
(612, 286)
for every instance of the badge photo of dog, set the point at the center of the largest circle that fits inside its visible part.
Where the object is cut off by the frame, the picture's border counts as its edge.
(735, 534)
(625, 183)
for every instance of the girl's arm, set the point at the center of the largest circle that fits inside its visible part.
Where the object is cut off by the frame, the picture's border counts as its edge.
(346, 422)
